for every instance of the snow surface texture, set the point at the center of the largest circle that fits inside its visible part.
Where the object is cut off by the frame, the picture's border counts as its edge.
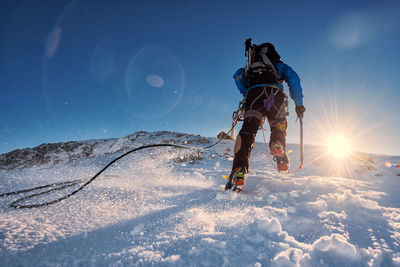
(167, 207)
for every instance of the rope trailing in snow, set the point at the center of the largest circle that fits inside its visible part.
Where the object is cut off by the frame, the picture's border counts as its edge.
(62, 185)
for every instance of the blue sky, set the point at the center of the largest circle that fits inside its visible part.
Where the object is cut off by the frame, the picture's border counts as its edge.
(74, 70)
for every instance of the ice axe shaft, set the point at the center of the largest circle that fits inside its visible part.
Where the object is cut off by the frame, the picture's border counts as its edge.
(301, 143)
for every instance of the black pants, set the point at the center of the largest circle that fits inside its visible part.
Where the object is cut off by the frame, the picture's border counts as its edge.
(261, 102)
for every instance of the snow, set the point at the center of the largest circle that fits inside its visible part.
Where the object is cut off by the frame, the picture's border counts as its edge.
(168, 207)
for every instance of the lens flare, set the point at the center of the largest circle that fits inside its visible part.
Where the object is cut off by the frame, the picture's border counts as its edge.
(389, 164)
(154, 80)
(154, 83)
(392, 165)
(53, 41)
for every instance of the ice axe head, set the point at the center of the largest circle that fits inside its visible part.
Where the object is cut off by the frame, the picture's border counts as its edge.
(247, 43)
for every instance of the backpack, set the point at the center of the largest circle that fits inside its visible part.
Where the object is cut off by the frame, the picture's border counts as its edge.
(261, 65)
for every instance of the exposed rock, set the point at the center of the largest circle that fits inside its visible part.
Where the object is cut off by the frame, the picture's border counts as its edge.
(47, 153)
(56, 153)
(223, 135)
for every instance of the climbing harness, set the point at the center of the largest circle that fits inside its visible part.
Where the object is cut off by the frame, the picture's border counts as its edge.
(62, 185)
(269, 102)
(238, 115)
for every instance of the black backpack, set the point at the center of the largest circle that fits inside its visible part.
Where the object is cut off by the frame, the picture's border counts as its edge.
(261, 65)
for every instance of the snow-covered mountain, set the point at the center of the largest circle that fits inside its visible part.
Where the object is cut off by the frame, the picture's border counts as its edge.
(167, 207)
(52, 154)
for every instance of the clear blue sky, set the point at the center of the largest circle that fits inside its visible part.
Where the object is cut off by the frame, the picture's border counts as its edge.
(74, 70)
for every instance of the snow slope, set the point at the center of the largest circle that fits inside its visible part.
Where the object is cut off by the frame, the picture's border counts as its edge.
(167, 207)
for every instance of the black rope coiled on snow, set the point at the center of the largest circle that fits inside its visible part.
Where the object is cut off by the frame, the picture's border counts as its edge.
(62, 185)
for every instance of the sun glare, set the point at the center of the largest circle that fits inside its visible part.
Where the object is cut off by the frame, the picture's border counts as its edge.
(339, 132)
(338, 146)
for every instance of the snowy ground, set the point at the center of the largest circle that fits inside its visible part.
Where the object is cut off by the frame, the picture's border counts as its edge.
(157, 207)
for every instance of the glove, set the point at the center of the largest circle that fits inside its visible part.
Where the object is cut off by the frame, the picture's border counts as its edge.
(300, 111)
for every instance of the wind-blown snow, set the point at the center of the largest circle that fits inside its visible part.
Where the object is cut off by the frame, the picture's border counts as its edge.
(167, 207)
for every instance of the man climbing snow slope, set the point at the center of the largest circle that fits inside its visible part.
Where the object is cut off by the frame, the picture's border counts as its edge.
(261, 83)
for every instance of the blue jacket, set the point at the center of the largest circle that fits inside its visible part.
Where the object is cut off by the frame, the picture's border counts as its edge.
(285, 72)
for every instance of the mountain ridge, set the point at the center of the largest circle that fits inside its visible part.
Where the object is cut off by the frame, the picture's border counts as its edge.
(167, 206)
(71, 151)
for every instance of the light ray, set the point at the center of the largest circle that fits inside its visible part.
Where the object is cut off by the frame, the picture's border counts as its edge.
(338, 129)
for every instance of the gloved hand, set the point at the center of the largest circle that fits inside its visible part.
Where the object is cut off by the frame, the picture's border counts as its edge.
(300, 111)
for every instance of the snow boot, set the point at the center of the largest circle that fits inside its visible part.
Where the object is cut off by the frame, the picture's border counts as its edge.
(236, 181)
(280, 156)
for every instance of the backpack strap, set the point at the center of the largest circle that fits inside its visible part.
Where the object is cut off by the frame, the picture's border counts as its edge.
(266, 60)
(258, 64)
(263, 63)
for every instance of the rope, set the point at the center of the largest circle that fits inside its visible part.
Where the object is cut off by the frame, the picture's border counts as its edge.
(301, 149)
(62, 185)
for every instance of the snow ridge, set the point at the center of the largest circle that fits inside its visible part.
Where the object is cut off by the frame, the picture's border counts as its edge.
(167, 207)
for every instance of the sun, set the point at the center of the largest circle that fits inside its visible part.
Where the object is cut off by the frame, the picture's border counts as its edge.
(337, 130)
(338, 146)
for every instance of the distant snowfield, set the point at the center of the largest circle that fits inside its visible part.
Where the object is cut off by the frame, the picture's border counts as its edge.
(167, 207)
